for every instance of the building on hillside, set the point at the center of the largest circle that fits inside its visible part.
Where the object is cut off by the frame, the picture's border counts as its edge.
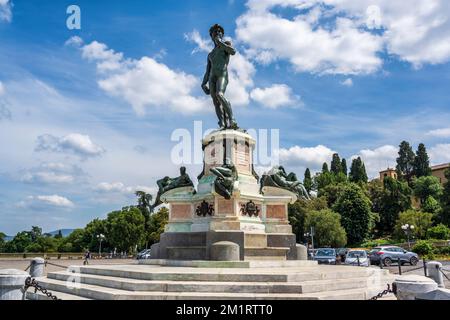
(389, 172)
(436, 171)
(439, 172)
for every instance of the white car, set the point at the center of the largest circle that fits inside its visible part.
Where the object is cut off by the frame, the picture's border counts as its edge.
(353, 255)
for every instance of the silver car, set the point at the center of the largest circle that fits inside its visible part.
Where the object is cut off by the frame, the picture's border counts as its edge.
(391, 254)
(325, 256)
(357, 258)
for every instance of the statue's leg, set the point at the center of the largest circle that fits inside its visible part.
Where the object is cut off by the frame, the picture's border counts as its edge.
(220, 189)
(221, 87)
(217, 104)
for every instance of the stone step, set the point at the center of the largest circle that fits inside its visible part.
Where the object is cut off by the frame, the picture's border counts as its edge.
(31, 295)
(299, 274)
(102, 293)
(194, 286)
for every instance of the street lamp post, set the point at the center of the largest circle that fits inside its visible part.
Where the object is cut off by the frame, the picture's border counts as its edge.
(407, 229)
(308, 235)
(100, 237)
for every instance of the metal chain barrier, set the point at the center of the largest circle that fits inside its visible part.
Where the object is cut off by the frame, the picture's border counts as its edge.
(384, 292)
(442, 271)
(54, 264)
(30, 282)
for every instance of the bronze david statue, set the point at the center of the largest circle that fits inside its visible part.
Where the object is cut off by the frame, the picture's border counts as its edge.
(215, 80)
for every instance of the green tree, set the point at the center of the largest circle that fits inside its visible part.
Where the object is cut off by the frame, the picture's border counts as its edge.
(59, 235)
(440, 232)
(332, 192)
(328, 229)
(405, 162)
(307, 181)
(19, 242)
(92, 230)
(325, 167)
(35, 233)
(422, 162)
(322, 180)
(298, 211)
(157, 224)
(336, 165)
(358, 172)
(354, 207)
(421, 221)
(2, 241)
(395, 198)
(74, 242)
(444, 216)
(427, 186)
(144, 205)
(344, 167)
(431, 205)
(125, 229)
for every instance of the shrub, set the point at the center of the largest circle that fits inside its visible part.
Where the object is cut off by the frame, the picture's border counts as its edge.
(423, 247)
(376, 243)
(441, 232)
(445, 251)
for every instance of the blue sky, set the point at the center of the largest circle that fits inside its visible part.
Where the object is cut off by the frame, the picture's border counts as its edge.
(86, 116)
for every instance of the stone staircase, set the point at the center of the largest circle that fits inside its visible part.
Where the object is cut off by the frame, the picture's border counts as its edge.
(259, 280)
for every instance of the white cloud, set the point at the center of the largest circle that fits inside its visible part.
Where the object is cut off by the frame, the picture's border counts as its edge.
(439, 154)
(378, 159)
(74, 41)
(43, 202)
(76, 143)
(5, 10)
(145, 82)
(119, 187)
(2, 89)
(278, 95)
(346, 36)
(440, 133)
(203, 45)
(310, 48)
(53, 173)
(347, 82)
(312, 157)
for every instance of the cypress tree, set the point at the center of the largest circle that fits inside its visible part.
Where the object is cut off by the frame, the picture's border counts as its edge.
(344, 167)
(307, 181)
(421, 162)
(358, 171)
(325, 168)
(336, 164)
(405, 162)
(445, 201)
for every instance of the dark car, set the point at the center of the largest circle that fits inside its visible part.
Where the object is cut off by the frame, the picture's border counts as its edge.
(342, 254)
(325, 256)
(390, 254)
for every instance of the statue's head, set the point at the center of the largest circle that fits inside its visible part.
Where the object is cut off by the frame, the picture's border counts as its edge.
(183, 171)
(216, 30)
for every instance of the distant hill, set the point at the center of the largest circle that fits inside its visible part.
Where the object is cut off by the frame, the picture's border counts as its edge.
(65, 232)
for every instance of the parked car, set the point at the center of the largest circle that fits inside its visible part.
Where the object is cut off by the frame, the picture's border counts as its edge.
(325, 256)
(144, 254)
(353, 255)
(390, 254)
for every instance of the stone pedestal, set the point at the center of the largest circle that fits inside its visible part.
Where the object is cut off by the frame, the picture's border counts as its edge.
(37, 267)
(434, 273)
(199, 219)
(12, 282)
(409, 287)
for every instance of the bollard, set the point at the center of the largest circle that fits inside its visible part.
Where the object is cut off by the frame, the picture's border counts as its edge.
(302, 252)
(12, 282)
(399, 267)
(425, 267)
(410, 286)
(37, 267)
(435, 273)
(359, 263)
